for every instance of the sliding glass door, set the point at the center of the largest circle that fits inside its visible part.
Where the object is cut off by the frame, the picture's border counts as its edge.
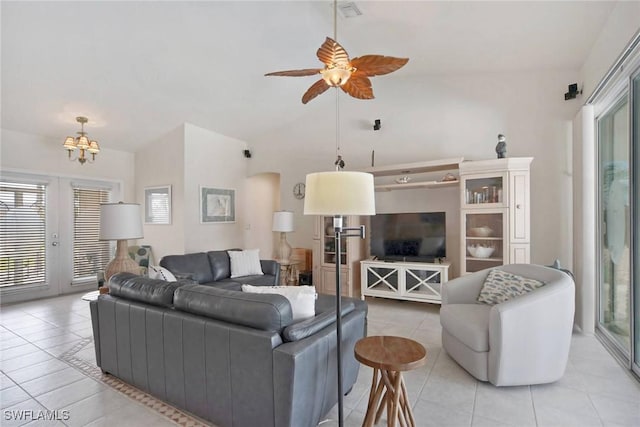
(635, 137)
(614, 237)
(618, 237)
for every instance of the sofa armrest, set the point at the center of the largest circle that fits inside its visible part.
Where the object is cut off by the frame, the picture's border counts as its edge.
(529, 336)
(464, 289)
(305, 376)
(271, 267)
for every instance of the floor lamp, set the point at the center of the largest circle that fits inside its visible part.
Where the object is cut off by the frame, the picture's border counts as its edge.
(121, 222)
(340, 193)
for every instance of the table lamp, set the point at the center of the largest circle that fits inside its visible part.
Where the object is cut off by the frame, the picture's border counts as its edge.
(340, 193)
(121, 222)
(283, 222)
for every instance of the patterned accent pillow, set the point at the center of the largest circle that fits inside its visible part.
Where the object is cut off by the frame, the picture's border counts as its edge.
(500, 286)
(161, 273)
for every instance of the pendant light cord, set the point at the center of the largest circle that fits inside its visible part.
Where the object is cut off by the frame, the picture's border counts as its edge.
(335, 20)
(337, 123)
(339, 162)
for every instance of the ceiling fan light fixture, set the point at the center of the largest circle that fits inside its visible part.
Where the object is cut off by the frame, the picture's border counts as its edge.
(336, 76)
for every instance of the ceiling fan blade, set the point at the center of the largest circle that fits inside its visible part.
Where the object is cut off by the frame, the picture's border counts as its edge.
(376, 65)
(358, 86)
(316, 89)
(331, 53)
(296, 73)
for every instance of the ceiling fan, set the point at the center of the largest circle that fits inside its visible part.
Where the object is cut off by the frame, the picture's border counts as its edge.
(352, 76)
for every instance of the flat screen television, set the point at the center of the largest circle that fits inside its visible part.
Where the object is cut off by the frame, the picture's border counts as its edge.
(412, 237)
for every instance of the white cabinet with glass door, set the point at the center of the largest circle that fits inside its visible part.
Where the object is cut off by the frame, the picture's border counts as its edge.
(324, 257)
(495, 218)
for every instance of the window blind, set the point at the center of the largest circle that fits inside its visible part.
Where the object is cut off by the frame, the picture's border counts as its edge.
(22, 234)
(90, 255)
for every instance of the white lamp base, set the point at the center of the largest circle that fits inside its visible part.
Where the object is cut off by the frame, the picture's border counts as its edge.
(284, 248)
(121, 263)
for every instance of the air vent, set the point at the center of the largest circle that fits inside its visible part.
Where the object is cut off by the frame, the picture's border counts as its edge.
(348, 9)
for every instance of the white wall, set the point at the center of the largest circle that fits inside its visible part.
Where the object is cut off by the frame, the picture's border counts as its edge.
(43, 155)
(262, 199)
(161, 162)
(621, 26)
(212, 160)
(434, 117)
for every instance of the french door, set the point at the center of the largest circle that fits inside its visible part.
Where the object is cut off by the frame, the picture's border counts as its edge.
(49, 235)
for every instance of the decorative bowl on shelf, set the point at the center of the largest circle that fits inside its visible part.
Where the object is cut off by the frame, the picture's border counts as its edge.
(478, 251)
(483, 231)
(403, 179)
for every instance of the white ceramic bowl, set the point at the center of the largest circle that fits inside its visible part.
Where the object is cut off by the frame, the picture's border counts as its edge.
(480, 251)
(480, 231)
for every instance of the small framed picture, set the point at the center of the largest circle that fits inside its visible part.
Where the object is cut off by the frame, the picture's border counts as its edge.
(217, 205)
(157, 205)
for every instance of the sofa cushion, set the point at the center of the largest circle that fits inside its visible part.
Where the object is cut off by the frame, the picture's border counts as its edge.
(245, 263)
(220, 265)
(195, 265)
(501, 286)
(308, 327)
(301, 298)
(143, 289)
(258, 280)
(469, 323)
(229, 284)
(268, 312)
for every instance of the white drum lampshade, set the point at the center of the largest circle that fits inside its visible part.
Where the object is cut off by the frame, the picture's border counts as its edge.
(121, 222)
(340, 193)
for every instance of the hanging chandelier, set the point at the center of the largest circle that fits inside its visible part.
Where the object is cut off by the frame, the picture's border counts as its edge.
(81, 143)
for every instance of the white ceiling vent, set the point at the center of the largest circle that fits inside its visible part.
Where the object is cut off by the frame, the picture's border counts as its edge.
(348, 9)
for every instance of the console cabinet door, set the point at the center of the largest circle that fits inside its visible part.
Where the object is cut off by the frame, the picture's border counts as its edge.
(329, 281)
(381, 280)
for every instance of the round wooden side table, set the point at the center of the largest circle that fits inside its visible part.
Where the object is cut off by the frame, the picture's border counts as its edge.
(389, 357)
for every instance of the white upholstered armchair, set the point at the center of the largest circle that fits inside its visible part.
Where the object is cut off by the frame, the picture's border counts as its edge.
(521, 341)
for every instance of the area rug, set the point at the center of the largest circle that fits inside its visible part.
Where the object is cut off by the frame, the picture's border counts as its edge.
(171, 413)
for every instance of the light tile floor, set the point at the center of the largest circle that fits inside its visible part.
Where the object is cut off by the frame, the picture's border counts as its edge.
(595, 390)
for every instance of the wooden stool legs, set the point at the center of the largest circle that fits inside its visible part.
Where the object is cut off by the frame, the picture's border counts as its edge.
(388, 390)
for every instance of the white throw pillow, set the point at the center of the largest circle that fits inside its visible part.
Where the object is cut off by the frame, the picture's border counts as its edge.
(301, 298)
(245, 263)
(161, 273)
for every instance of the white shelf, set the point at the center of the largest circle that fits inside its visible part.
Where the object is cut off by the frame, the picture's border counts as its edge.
(484, 259)
(484, 238)
(417, 167)
(414, 185)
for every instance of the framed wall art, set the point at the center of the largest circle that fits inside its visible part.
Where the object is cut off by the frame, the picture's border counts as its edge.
(217, 205)
(157, 205)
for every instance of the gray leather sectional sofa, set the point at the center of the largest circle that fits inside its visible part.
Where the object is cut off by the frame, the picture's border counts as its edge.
(214, 268)
(232, 358)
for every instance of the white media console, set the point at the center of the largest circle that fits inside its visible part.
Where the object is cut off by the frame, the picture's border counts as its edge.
(413, 281)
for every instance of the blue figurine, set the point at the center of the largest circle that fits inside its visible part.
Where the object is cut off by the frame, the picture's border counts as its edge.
(501, 147)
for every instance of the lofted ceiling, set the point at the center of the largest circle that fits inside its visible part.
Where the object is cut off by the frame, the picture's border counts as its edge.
(140, 69)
